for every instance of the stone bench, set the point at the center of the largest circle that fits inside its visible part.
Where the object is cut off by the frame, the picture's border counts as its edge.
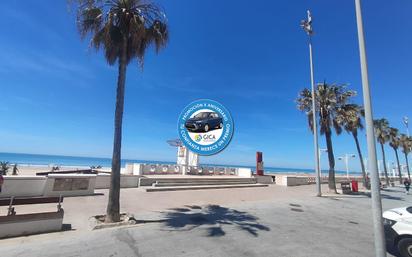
(14, 224)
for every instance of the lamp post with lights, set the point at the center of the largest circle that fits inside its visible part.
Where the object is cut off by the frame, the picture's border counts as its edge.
(346, 159)
(406, 121)
(307, 27)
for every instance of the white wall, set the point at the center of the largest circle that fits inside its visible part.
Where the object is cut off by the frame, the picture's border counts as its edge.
(244, 172)
(134, 168)
(172, 169)
(103, 181)
(20, 186)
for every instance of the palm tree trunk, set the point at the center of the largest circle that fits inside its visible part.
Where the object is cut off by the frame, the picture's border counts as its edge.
(407, 165)
(331, 158)
(384, 165)
(365, 182)
(113, 205)
(399, 166)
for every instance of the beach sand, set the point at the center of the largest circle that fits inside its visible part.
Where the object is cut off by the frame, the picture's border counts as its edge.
(31, 170)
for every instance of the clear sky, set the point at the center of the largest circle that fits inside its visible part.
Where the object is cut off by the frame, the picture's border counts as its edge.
(57, 95)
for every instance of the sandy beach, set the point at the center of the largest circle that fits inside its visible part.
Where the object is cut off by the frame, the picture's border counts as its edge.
(31, 170)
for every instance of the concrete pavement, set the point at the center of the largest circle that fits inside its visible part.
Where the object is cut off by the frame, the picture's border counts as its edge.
(274, 221)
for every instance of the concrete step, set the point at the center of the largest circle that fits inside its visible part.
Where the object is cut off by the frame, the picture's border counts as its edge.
(198, 183)
(205, 180)
(200, 179)
(205, 187)
(151, 181)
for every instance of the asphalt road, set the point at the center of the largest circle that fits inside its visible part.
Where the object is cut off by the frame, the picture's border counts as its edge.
(299, 225)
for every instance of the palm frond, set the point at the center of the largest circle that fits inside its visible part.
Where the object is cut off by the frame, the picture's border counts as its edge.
(332, 102)
(110, 23)
(381, 127)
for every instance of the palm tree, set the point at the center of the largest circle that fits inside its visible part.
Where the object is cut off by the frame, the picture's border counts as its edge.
(4, 168)
(394, 142)
(382, 136)
(350, 117)
(123, 29)
(329, 100)
(406, 144)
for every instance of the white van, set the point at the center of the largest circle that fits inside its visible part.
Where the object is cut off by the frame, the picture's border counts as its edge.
(398, 229)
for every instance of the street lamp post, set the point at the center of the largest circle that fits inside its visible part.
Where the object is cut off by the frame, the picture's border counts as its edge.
(380, 247)
(392, 164)
(346, 159)
(406, 121)
(320, 156)
(307, 27)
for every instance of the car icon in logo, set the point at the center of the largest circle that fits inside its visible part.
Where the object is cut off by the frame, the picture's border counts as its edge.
(204, 121)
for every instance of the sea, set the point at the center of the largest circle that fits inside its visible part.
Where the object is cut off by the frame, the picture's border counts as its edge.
(77, 161)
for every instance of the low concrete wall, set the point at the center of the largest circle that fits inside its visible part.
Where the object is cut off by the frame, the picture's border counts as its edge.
(126, 181)
(291, 180)
(29, 224)
(159, 169)
(70, 184)
(102, 181)
(23, 186)
(265, 179)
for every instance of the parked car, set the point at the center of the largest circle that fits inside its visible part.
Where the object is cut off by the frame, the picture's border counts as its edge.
(204, 121)
(398, 230)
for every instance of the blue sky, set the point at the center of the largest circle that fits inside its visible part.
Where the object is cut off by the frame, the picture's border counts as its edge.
(58, 95)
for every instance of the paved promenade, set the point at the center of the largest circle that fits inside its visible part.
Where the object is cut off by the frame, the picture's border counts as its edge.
(273, 221)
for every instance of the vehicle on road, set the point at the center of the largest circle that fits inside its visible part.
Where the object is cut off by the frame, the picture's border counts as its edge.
(204, 121)
(398, 230)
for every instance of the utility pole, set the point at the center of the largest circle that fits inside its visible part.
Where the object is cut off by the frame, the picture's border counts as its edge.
(380, 247)
(307, 27)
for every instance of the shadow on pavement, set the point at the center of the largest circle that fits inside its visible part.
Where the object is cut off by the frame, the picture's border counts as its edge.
(213, 216)
(365, 194)
(390, 197)
(396, 189)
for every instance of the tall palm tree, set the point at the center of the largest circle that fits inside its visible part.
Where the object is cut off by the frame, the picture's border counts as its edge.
(123, 29)
(394, 142)
(350, 117)
(406, 145)
(382, 136)
(329, 100)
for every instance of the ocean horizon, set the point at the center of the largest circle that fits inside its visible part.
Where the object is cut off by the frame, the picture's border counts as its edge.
(81, 161)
